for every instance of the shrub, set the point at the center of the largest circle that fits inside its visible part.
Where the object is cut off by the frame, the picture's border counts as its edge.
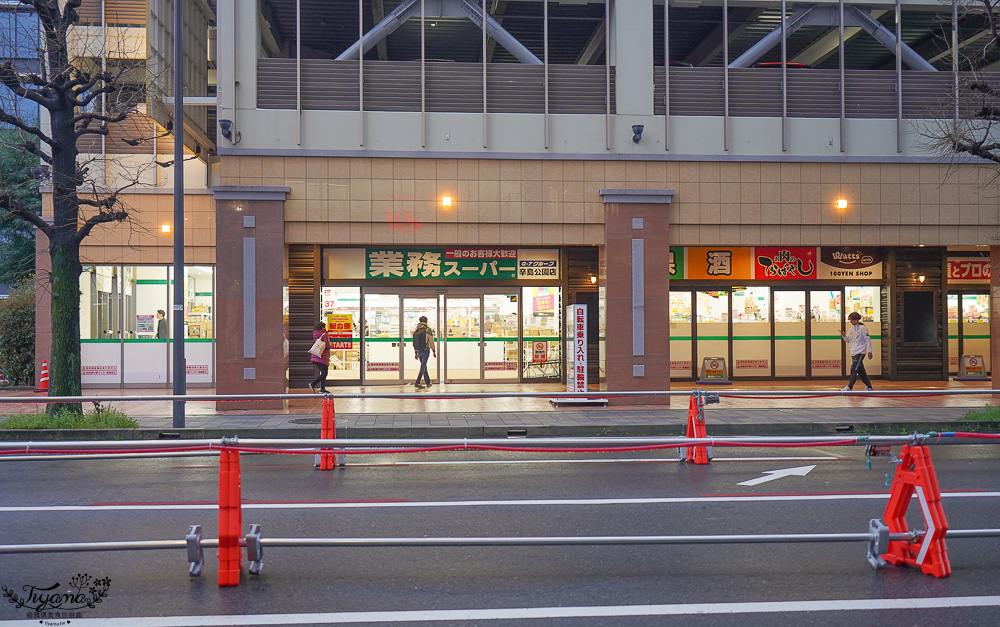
(17, 334)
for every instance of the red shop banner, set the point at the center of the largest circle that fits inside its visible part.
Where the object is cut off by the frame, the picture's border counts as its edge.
(784, 263)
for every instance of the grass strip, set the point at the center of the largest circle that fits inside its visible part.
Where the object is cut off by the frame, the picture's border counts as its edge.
(94, 419)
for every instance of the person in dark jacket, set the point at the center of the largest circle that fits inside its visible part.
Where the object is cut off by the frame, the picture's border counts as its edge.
(423, 346)
(321, 361)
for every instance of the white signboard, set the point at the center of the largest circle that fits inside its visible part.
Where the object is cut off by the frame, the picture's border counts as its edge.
(576, 349)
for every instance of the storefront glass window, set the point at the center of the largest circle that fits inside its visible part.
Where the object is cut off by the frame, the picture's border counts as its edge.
(382, 337)
(680, 335)
(751, 331)
(712, 327)
(198, 294)
(541, 323)
(976, 326)
(953, 347)
(827, 347)
(340, 309)
(100, 313)
(148, 295)
(500, 348)
(867, 301)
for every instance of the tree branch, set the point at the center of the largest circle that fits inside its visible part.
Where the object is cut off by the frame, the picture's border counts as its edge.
(104, 217)
(17, 122)
(15, 208)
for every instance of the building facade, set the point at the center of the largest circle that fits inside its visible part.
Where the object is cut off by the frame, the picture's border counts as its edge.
(712, 181)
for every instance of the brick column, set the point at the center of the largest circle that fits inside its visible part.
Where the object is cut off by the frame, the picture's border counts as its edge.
(994, 317)
(637, 292)
(250, 252)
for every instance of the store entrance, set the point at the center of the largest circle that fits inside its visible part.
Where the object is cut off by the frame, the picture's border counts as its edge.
(476, 333)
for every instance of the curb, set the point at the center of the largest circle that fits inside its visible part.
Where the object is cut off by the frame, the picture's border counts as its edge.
(645, 429)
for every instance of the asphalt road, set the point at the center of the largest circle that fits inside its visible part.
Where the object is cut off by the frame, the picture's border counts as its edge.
(504, 495)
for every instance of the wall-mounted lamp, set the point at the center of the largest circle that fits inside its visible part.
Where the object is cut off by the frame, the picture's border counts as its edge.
(921, 278)
(446, 201)
(593, 279)
(637, 132)
(226, 128)
(165, 228)
(842, 203)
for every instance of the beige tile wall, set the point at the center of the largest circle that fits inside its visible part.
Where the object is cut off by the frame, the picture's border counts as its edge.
(139, 240)
(528, 202)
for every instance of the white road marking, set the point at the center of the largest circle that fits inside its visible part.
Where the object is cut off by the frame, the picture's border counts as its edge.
(603, 461)
(506, 503)
(771, 475)
(537, 613)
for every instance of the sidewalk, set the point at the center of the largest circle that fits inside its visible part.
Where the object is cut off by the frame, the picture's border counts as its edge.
(535, 417)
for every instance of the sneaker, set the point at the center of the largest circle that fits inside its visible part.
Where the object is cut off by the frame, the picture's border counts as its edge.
(428, 384)
(312, 388)
(869, 389)
(845, 389)
(418, 386)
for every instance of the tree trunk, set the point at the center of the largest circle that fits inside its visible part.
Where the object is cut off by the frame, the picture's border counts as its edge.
(64, 371)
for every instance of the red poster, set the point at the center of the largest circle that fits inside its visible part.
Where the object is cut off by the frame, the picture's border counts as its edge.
(784, 263)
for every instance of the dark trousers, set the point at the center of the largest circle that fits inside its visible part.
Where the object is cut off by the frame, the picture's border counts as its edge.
(858, 370)
(423, 356)
(320, 379)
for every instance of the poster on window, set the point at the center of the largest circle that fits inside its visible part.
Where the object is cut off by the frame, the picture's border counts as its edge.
(340, 328)
(145, 324)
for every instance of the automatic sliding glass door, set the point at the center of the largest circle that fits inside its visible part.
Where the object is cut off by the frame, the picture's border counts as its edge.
(383, 337)
(413, 308)
(462, 338)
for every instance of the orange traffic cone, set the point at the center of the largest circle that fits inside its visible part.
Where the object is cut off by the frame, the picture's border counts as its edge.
(43, 383)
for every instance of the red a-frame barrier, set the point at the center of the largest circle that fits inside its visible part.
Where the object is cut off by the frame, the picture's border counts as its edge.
(916, 475)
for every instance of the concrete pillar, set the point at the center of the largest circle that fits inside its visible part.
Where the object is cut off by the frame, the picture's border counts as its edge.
(250, 250)
(637, 284)
(632, 55)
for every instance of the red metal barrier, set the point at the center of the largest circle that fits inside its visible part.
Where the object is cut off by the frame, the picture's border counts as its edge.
(916, 474)
(230, 519)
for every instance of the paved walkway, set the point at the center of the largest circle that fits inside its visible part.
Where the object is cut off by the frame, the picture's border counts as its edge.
(425, 415)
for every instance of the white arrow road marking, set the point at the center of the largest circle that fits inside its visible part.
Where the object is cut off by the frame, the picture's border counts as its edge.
(771, 475)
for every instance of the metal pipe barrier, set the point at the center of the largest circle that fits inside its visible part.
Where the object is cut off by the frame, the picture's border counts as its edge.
(888, 542)
(472, 395)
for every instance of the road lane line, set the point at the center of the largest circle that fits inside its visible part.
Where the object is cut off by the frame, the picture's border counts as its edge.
(504, 503)
(603, 461)
(538, 613)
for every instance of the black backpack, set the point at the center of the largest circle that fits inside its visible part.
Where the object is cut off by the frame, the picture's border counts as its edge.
(420, 338)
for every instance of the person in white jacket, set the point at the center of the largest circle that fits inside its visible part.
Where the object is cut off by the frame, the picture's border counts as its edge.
(859, 342)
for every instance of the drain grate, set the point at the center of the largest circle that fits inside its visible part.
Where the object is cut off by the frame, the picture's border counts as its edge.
(306, 421)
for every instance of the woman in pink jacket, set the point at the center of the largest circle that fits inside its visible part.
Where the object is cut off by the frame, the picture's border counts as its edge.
(321, 361)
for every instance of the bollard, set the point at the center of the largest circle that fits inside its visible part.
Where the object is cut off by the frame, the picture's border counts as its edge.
(328, 431)
(916, 475)
(230, 518)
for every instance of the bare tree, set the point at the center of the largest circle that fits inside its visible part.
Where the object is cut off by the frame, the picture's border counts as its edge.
(967, 124)
(78, 99)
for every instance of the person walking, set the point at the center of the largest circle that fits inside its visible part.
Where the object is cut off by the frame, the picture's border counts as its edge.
(321, 361)
(423, 346)
(859, 342)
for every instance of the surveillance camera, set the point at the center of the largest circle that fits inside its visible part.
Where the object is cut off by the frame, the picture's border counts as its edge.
(227, 128)
(637, 132)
